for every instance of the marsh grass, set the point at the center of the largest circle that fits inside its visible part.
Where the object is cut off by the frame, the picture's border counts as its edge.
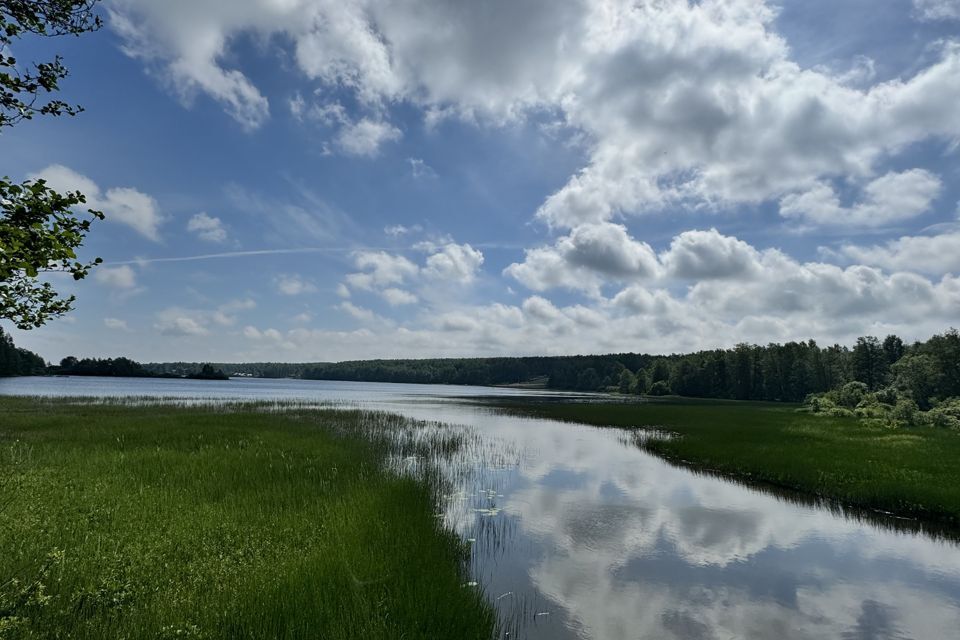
(243, 521)
(903, 473)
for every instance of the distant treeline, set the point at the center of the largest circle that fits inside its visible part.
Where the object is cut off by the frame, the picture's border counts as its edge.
(252, 369)
(110, 367)
(776, 372)
(925, 373)
(562, 372)
(15, 361)
(127, 368)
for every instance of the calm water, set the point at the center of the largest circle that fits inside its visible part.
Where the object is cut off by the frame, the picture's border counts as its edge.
(580, 535)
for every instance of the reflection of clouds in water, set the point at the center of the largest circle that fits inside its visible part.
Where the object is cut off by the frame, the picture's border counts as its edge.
(610, 609)
(636, 548)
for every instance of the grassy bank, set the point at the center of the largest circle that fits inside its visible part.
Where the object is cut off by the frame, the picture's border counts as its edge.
(163, 522)
(910, 472)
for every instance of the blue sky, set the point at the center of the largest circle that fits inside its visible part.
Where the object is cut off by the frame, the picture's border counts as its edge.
(301, 180)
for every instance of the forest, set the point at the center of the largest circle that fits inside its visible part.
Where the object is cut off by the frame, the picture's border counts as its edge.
(776, 372)
(15, 361)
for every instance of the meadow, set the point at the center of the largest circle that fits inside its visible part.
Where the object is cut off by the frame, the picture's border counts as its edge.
(908, 472)
(159, 522)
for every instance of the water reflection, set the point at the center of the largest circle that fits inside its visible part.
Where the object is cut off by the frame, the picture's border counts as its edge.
(578, 533)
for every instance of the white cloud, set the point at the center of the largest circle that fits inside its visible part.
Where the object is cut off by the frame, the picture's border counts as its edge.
(207, 227)
(178, 322)
(588, 256)
(457, 263)
(358, 313)
(396, 297)
(937, 254)
(380, 269)
(693, 104)
(937, 9)
(122, 277)
(119, 204)
(364, 138)
(420, 170)
(397, 230)
(705, 255)
(240, 304)
(115, 324)
(293, 285)
(890, 198)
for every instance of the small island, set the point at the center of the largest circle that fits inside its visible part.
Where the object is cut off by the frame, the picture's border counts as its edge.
(127, 368)
(207, 372)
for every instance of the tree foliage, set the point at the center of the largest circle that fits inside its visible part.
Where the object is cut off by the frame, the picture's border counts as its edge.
(15, 361)
(39, 231)
(26, 91)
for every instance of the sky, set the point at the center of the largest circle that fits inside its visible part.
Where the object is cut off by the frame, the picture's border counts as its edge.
(319, 180)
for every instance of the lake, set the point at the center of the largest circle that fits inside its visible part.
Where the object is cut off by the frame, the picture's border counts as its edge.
(576, 533)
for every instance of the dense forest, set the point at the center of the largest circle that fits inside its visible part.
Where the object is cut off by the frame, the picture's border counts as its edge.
(787, 372)
(18, 362)
(110, 367)
(776, 372)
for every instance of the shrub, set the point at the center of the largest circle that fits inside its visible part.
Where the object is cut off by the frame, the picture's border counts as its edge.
(946, 414)
(851, 394)
(905, 413)
(660, 388)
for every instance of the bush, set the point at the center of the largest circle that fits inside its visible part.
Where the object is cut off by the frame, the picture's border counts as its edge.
(946, 414)
(906, 413)
(851, 394)
(660, 388)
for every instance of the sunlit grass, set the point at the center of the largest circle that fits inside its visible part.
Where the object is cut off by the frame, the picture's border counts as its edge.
(212, 522)
(909, 472)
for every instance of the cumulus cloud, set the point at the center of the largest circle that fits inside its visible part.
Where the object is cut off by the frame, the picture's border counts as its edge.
(380, 269)
(386, 274)
(115, 324)
(181, 322)
(358, 313)
(293, 285)
(125, 205)
(582, 260)
(691, 103)
(937, 9)
(890, 198)
(398, 230)
(122, 277)
(177, 322)
(207, 227)
(364, 138)
(937, 254)
(706, 255)
(396, 297)
(456, 263)
(420, 170)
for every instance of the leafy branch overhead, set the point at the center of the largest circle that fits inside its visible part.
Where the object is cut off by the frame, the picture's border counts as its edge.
(24, 89)
(39, 233)
(39, 229)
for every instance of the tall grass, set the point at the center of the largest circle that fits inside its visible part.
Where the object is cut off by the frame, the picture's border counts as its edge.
(213, 522)
(911, 473)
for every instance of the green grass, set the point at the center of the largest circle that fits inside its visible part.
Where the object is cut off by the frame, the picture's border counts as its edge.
(909, 472)
(164, 522)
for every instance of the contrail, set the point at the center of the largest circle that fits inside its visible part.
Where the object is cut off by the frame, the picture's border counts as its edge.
(243, 254)
(270, 252)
